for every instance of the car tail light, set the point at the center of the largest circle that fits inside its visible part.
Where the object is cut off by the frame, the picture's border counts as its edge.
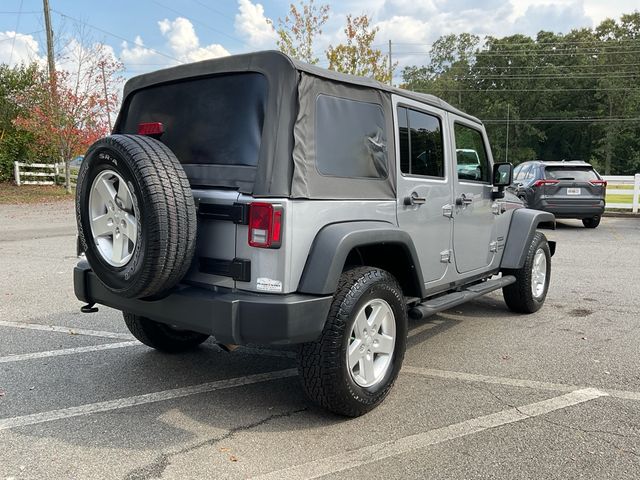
(602, 183)
(151, 128)
(540, 183)
(265, 225)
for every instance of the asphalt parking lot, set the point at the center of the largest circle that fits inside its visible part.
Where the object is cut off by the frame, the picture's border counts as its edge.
(484, 393)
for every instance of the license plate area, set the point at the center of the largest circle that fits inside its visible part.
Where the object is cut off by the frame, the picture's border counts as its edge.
(573, 191)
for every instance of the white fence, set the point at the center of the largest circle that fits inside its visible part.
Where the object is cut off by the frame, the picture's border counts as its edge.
(40, 173)
(623, 184)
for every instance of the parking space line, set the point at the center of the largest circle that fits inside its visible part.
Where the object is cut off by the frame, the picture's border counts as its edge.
(67, 330)
(513, 382)
(161, 396)
(380, 451)
(67, 351)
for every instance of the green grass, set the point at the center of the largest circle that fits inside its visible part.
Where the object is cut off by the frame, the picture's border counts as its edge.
(12, 194)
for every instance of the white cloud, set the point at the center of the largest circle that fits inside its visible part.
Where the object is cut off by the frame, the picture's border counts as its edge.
(17, 48)
(252, 24)
(183, 45)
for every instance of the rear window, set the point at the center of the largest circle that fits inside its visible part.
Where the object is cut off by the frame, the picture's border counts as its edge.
(213, 120)
(579, 174)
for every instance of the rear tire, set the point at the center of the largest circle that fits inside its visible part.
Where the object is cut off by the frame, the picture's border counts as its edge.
(350, 369)
(529, 291)
(592, 222)
(160, 336)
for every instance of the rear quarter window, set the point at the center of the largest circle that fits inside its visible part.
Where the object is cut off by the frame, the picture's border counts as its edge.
(350, 138)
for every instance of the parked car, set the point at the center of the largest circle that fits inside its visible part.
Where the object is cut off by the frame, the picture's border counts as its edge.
(567, 189)
(263, 200)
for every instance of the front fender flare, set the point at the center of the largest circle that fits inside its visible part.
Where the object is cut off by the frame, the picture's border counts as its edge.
(522, 228)
(333, 243)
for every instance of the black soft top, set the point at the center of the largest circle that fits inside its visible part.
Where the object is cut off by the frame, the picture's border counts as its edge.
(288, 133)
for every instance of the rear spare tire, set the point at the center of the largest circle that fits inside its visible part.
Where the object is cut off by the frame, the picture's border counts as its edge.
(136, 216)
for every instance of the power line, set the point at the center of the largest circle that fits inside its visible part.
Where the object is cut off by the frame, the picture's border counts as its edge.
(506, 90)
(536, 43)
(551, 65)
(208, 7)
(200, 23)
(520, 53)
(15, 33)
(564, 120)
(8, 39)
(114, 35)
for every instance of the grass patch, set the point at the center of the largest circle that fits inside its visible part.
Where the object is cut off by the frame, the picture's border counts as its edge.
(619, 199)
(12, 194)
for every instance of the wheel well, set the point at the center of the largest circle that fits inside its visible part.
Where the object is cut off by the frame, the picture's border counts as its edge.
(393, 258)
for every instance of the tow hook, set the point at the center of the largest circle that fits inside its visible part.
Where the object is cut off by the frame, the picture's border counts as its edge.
(89, 308)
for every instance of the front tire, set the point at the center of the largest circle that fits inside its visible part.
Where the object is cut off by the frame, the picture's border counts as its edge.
(160, 336)
(529, 291)
(592, 222)
(350, 369)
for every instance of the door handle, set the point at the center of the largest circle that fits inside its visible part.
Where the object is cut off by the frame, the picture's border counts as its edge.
(463, 200)
(414, 199)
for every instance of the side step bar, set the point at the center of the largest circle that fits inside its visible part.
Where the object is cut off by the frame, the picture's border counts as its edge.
(445, 302)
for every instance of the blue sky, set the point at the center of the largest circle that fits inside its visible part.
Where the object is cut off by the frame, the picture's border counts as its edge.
(163, 32)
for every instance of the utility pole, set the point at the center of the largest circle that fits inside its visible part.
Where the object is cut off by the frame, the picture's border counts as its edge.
(106, 95)
(47, 24)
(506, 155)
(390, 66)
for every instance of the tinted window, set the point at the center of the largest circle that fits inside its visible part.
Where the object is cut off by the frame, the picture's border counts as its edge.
(214, 120)
(350, 138)
(470, 146)
(421, 151)
(580, 174)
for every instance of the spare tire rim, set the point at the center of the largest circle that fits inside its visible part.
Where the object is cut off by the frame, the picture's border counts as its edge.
(539, 273)
(113, 218)
(371, 343)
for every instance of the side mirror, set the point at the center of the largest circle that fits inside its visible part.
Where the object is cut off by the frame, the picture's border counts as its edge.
(502, 175)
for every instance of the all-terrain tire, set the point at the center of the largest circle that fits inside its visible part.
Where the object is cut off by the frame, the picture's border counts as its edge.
(591, 222)
(162, 337)
(519, 296)
(166, 215)
(323, 364)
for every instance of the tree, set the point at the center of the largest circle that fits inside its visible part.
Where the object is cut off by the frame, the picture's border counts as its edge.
(357, 56)
(298, 31)
(15, 144)
(67, 115)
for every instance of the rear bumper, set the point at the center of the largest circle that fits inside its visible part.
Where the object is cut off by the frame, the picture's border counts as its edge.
(231, 316)
(571, 209)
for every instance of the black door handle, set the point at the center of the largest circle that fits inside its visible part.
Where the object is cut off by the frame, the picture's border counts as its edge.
(463, 200)
(414, 199)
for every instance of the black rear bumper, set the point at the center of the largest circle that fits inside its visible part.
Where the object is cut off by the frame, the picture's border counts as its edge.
(571, 209)
(231, 316)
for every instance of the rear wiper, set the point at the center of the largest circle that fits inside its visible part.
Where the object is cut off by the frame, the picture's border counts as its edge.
(565, 178)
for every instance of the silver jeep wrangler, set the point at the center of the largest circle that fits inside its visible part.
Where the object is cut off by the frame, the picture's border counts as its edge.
(262, 200)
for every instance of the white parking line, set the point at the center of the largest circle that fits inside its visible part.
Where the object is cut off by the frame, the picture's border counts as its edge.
(380, 451)
(67, 351)
(514, 382)
(67, 330)
(161, 396)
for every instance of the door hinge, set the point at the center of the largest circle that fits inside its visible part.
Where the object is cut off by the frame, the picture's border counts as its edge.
(493, 246)
(445, 256)
(447, 210)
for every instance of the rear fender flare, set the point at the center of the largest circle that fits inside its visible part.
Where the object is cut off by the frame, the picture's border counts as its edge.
(333, 244)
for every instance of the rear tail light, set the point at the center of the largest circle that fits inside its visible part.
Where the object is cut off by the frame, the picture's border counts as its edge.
(602, 183)
(540, 183)
(265, 225)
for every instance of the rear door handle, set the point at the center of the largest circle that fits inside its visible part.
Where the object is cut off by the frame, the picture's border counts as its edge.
(414, 199)
(464, 200)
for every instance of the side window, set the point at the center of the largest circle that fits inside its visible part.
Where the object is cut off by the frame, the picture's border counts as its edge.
(516, 172)
(530, 173)
(421, 145)
(473, 162)
(350, 138)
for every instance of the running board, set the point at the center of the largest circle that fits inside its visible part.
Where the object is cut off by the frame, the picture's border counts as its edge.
(445, 302)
